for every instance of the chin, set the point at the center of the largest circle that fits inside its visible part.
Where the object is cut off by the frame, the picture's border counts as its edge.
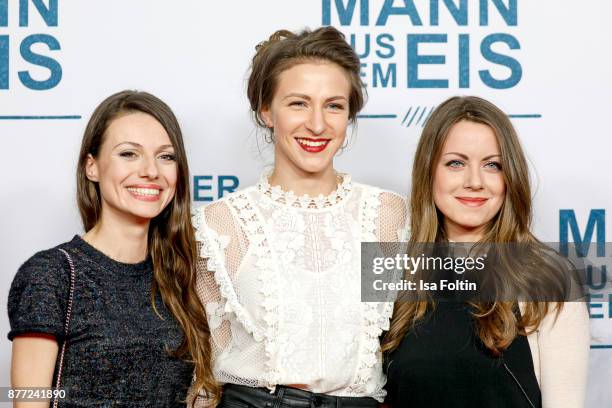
(469, 225)
(313, 169)
(145, 214)
(314, 166)
(471, 222)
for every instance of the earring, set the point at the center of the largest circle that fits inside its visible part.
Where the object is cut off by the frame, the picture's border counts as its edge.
(345, 144)
(269, 137)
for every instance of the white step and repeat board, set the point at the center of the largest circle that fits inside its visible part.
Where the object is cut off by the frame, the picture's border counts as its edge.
(546, 63)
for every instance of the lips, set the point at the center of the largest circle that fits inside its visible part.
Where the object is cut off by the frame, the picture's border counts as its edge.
(313, 145)
(472, 201)
(145, 192)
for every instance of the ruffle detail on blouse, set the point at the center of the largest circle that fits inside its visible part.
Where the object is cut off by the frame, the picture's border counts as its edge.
(370, 214)
(267, 273)
(403, 234)
(305, 201)
(376, 315)
(213, 246)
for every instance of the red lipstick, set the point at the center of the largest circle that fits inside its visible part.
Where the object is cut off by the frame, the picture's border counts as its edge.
(313, 145)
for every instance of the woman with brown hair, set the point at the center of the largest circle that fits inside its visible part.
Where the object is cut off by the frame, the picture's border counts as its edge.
(280, 269)
(112, 317)
(470, 184)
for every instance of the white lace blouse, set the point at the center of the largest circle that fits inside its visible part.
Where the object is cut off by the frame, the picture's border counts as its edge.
(279, 277)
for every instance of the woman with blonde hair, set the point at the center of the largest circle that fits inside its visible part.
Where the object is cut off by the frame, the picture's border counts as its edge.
(470, 184)
(280, 269)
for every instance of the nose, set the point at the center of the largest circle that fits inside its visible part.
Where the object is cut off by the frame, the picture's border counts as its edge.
(148, 168)
(473, 178)
(316, 121)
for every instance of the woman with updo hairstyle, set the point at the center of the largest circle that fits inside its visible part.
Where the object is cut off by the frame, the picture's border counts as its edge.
(279, 273)
(524, 347)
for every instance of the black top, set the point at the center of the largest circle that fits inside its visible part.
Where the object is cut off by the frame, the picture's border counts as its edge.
(442, 363)
(117, 345)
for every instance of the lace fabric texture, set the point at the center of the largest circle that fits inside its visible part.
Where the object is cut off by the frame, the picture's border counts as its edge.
(279, 276)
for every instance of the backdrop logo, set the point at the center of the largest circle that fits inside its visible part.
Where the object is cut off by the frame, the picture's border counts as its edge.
(378, 44)
(30, 44)
(210, 188)
(597, 277)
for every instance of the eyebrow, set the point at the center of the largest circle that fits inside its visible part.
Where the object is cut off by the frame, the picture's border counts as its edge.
(303, 96)
(464, 157)
(166, 146)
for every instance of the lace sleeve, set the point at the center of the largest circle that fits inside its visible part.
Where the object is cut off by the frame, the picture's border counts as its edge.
(393, 222)
(392, 232)
(221, 245)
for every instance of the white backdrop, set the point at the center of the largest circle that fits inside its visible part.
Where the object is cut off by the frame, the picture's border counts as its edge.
(195, 56)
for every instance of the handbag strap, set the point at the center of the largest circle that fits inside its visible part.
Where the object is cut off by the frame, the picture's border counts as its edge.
(66, 327)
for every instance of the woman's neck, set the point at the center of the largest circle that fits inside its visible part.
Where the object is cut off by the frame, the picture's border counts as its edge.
(301, 182)
(120, 240)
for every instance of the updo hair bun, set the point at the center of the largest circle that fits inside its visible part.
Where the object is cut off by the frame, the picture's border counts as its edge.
(274, 38)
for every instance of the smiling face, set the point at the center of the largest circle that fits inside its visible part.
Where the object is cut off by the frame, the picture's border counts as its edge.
(468, 186)
(309, 115)
(135, 168)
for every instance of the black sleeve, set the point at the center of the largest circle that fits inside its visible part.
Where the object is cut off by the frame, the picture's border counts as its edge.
(39, 295)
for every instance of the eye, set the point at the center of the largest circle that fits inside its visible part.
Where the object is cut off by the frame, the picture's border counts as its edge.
(455, 164)
(298, 104)
(493, 165)
(128, 154)
(168, 157)
(336, 106)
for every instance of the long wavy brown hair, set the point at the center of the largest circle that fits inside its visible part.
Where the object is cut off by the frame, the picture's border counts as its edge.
(497, 322)
(171, 238)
